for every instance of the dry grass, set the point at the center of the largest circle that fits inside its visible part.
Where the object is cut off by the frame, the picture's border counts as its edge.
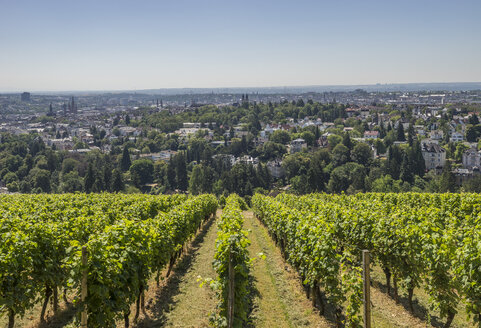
(31, 319)
(281, 300)
(283, 303)
(179, 301)
(386, 307)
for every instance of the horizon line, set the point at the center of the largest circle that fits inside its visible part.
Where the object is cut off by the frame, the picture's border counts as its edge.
(233, 87)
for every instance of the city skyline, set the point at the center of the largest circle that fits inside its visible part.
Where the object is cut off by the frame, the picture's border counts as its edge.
(59, 46)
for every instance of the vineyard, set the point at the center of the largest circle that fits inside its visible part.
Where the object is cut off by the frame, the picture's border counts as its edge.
(127, 239)
(431, 241)
(103, 251)
(232, 264)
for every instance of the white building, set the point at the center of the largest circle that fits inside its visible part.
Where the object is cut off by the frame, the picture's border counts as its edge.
(275, 169)
(456, 136)
(371, 134)
(434, 155)
(247, 160)
(297, 145)
(128, 130)
(471, 158)
(268, 130)
(419, 129)
(436, 134)
(61, 144)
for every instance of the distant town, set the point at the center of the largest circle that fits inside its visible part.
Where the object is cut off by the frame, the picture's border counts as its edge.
(394, 140)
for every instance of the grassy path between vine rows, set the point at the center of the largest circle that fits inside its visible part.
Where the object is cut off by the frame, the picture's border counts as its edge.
(180, 301)
(383, 305)
(280, 300)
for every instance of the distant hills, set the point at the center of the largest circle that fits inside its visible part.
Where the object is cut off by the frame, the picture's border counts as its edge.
(391, 87)
(455, 86)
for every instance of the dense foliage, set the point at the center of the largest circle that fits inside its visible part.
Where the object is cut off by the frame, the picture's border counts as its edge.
(419, 240)
(128, 239)
(231, 246)
(312, 246)
(235, 148)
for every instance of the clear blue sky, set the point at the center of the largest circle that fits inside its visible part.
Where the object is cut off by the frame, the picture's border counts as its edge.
(112, 45)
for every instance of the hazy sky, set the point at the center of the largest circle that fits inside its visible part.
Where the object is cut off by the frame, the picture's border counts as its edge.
(112, 45)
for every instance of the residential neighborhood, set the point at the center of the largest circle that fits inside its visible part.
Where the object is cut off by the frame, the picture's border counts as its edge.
(279, 140)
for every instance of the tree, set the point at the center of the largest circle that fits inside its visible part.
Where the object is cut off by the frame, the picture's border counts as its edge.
(107, 176)
(386, 184)
(263, 177)
(181, 171)
(71, 182)
(315, 175)
(448, 180)
(195, 182)
(267, 178)
(473, 119)
(349, 176)
(419, 165)
(99, 182)
(295, 164)
(419, 184)
(340, 155)
(271, 150)
(41, 162)
(472, 133)
(244, 144)
(473, 185)
(400, 132)
(382, 131)
(300, 184)
(10, 177)
(89, 179)
(460, 149)
(69, 164)
(406, 173)
(411, 135)
(379, 145)
(13, 186)
(280, 136)
(208, 178)
(346, 141)
(11, 162)
(117, 181)
(125, 162)
(333, 140)
(240, 179)
(393, 163)
(361, 153)
(248, 189)
(322, 156)
(309, 137)
(170, 175)
(141, 172)
(41, 179)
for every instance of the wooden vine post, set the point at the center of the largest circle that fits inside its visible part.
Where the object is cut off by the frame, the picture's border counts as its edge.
(83, 295)
(366, 289)
(231, 295)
